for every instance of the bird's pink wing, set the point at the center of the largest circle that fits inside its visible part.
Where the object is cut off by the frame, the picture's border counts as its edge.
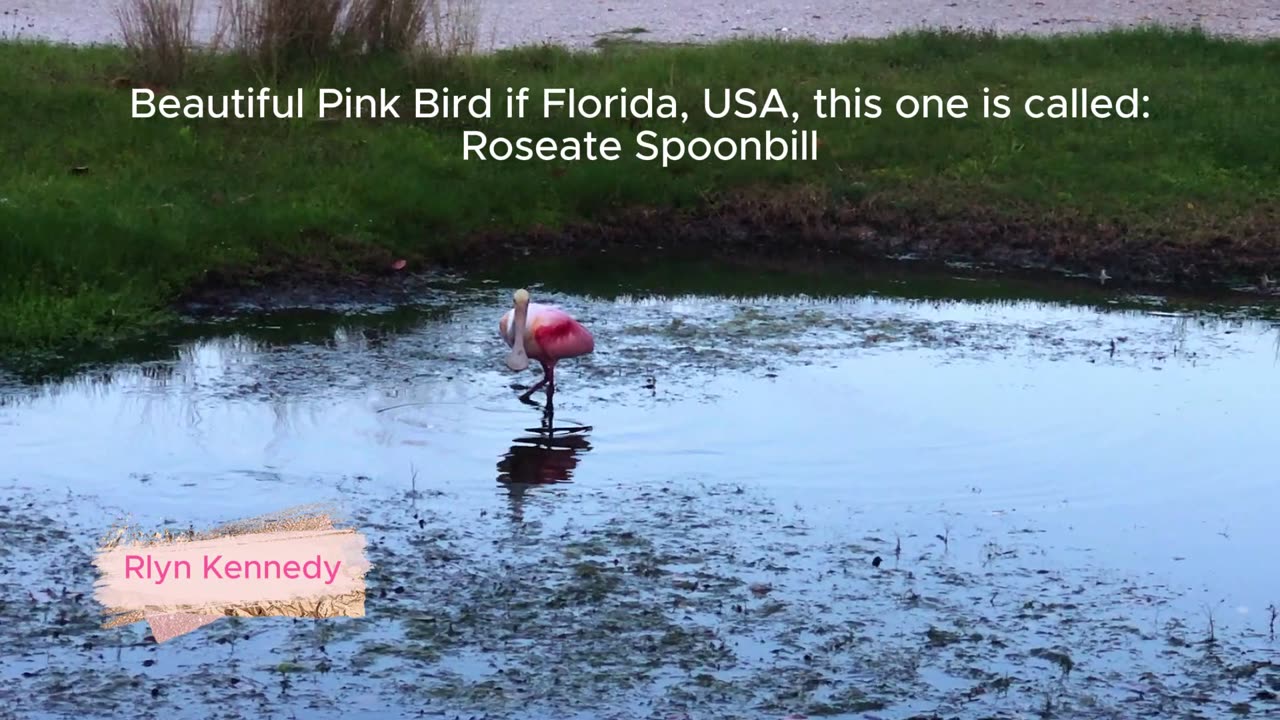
(560, 336)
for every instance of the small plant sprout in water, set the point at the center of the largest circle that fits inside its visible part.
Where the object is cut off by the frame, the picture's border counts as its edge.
(413, 493)
(945, 537)
(1047, 710)
(994, 552)
(1210, 613)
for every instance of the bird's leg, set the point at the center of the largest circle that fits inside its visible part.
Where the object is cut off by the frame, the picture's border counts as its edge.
(549, 418)
(536, 386)
(548, 379)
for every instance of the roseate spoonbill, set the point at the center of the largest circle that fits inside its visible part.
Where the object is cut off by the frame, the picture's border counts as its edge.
(542, 332)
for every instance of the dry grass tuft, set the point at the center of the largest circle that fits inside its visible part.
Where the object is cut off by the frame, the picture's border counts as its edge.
(158, 34)
(453, 29)
(277, 34)
(280, 33)
(380, 26)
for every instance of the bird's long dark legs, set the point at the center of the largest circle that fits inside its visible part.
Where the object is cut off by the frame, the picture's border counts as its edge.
(548, 379)
(536, 387)
(549, 418)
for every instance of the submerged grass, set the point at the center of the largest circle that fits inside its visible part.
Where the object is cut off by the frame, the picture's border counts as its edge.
(105, 219)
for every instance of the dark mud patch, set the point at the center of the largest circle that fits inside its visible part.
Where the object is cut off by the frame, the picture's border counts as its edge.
(1186, 249)
(637, 602)
(319, 270)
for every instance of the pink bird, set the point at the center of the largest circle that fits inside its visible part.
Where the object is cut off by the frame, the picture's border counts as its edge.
(550, 335)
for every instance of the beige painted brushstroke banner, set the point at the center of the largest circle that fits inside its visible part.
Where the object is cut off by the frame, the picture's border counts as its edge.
(296, 563)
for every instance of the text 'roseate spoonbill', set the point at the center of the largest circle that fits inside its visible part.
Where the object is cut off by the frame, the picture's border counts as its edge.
(545, 333)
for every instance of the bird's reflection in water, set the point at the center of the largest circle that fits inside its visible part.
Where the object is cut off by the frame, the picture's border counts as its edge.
(547, 455)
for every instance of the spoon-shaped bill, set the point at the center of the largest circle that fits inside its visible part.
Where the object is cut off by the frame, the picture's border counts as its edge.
(518, 359)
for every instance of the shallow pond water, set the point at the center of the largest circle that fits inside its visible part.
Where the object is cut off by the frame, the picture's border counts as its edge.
(1072, 503)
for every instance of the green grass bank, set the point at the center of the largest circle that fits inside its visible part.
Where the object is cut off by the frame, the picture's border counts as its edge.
(106, 220)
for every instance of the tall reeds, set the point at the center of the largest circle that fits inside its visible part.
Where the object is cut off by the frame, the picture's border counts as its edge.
(277, 35)
(158, 35)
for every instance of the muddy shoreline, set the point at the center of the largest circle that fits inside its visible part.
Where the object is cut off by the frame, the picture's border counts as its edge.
(837, 631)
(764, 227)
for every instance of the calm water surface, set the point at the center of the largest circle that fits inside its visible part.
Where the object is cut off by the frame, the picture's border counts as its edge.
(1119, 438)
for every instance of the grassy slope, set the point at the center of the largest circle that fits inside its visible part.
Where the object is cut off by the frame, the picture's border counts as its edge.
(93, 256)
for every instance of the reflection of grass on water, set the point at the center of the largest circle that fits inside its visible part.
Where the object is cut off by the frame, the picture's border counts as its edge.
(157, 205)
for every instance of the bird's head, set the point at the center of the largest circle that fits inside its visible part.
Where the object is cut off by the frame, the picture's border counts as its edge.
(521, 297)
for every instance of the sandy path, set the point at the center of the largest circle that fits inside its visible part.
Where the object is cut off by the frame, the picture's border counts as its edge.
(580, 22)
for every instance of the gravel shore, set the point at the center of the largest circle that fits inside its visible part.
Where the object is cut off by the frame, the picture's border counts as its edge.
(506, 23)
